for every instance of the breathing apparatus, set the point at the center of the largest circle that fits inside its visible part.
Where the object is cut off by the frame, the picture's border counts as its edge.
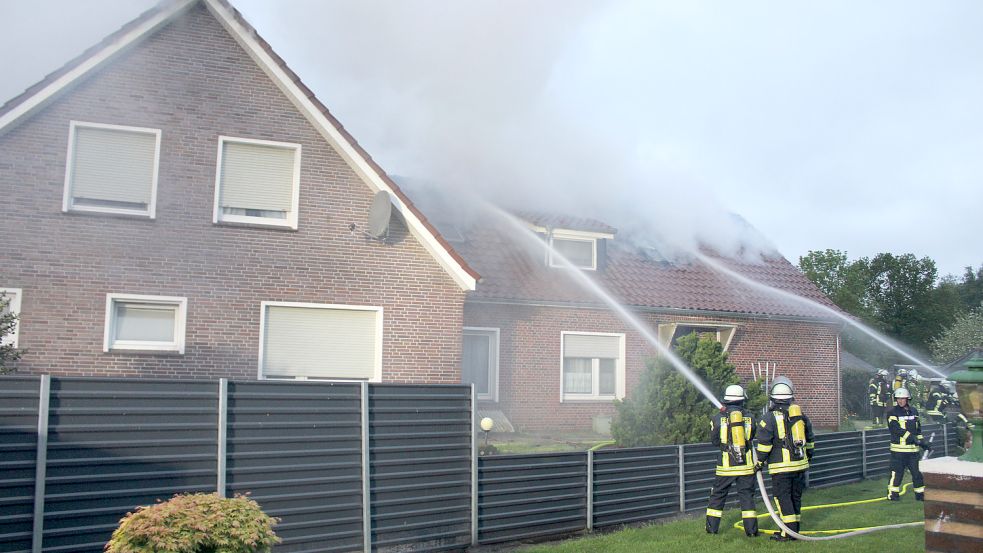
(734, 395)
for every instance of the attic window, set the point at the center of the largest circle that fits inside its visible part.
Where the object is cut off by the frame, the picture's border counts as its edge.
(670, 334)
(257, 182)
(581, 252)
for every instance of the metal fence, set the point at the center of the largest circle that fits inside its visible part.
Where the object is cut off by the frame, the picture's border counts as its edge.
(345, 466)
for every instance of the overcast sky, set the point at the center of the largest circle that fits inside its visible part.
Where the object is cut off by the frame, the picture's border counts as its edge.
(856, 126)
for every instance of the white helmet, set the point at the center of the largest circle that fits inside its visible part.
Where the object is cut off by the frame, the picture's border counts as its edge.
(902, 393)
(902, 373)
(734, 393)
(948, 386)
(881, 372)
(781, 389)
(913, 374)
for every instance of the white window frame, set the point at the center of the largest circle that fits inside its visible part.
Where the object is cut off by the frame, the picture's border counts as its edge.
(14, 295)
(67, 204)
(377, 372)
(180, 323)
(291, 220)
(494, 350)
(725, 331)
(619, 371)
(573, 237)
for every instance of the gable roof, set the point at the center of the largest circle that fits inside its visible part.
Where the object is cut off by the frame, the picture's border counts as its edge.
(516, 272)
(39, 95)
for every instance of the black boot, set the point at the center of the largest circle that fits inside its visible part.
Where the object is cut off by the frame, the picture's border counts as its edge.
(751, 527)
(893, 496)
(780, 537)
(919, 496)
(713, 525)
(793, 526)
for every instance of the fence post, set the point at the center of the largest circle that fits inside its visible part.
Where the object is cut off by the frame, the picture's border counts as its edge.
(366, 488)
(682, 478)
(945, 439)
(590, 490)
(223, 419)
(40, 468)
(474, 468)
(863, 456)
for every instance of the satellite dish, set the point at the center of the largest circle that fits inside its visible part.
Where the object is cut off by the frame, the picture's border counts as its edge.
(379, 213)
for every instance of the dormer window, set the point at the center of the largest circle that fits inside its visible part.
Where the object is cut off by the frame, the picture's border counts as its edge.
(669, 334)
(580, 251)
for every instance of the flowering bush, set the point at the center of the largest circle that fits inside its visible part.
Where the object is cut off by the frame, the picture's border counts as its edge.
(196, 523)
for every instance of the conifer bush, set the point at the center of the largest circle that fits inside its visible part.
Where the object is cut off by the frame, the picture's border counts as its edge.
(666, 409)
(196, 523)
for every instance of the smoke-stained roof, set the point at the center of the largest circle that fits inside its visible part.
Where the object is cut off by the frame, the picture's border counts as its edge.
(514, 268)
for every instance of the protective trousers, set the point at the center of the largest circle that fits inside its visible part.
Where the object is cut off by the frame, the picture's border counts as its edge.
(788, 487)
(900, 462)
(745, 496)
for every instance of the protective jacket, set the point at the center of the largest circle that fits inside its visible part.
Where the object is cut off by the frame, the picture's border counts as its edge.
(899, 383)
(939, 401)
(879, 392)
(720, 436)
(775, 445)
(906, 429)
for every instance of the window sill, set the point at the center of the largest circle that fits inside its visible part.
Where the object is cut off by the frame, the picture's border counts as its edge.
(590, 399)
(145, 352)
(113, 214)
(265, 226)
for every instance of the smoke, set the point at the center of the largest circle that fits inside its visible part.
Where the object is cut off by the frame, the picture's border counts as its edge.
(481, 98)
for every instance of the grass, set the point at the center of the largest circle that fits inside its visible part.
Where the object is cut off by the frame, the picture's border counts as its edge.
(688, 535)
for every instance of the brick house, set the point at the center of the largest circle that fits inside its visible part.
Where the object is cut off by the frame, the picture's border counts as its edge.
(551, 356)
(178, 204)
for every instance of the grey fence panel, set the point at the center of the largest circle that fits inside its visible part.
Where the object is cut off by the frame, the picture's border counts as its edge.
(635, 484)
(699, 470)
(527, 496)
(295, 447)
(18, 450)
(934, 434)
(878, 452)
(115, 444)
(838, 459)
(420, 466)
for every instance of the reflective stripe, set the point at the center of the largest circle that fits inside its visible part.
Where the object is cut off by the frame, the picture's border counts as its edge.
(765, 448)
(739, 470)
(791, 466)
(749, 514)
(714, 513)
(810, 445)
(920, 490)
(903, 448)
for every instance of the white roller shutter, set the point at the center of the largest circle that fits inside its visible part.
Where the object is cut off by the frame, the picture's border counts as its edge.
(257, 176)
(592, 346)
(114, 165)
(320, 342)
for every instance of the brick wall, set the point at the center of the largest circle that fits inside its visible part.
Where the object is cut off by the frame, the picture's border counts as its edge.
(192, 81)
(530, 360)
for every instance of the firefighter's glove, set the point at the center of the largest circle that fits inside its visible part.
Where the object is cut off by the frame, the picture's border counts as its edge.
(925, 445)
(759, 466)
(809, 454)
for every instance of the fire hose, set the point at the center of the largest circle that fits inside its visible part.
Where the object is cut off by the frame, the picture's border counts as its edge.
(803, 537)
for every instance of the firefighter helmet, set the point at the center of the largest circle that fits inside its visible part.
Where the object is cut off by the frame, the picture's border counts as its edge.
(881, 372)
(902, 393)
(903, 373)
(948, 386)
(781, 389)
(913, 374)
(734, 394)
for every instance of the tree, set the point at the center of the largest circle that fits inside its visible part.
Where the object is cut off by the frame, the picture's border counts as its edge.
(901, 294)
(844, 283)
(667, 409)
(964, 334)
(8, 324)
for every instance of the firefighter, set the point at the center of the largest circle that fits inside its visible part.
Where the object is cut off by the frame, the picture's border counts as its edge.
(916, 388)
(879, 396)
(900, 379)
(906, 439)
(785, 445)
(731, 430)
(939, 401)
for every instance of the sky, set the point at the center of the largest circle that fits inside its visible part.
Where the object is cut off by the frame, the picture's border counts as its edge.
(854, 126)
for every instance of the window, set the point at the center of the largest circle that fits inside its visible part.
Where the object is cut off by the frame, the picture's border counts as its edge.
(593, 366)
(13, 296)
(111, 169)
(307, 341)
(257, 182)
(581, 252)
(479, 361)
(670, 333)
(149, 323)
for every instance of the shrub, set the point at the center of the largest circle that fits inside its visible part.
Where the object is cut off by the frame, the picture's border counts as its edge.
(196, 523)
(8, 324)
(667, 409)
(853, 388)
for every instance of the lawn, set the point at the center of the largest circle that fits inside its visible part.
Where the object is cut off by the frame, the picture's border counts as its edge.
(689, 536)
